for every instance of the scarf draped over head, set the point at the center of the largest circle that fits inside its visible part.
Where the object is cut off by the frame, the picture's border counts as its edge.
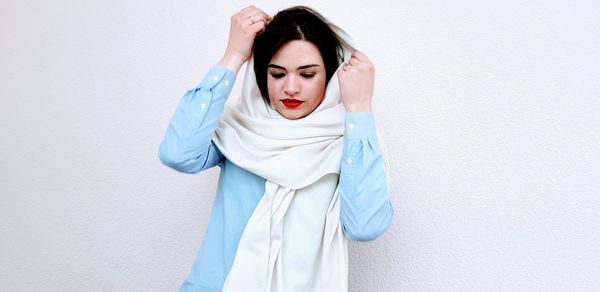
(293, 240)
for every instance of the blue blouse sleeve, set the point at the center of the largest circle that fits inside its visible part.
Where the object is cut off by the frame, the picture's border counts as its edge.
(366, 210)
(187, 145)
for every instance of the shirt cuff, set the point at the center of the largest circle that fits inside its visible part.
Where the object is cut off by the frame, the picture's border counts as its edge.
(360, 125)
(218, 74)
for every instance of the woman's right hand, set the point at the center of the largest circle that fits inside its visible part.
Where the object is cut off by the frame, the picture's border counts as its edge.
(245, 26)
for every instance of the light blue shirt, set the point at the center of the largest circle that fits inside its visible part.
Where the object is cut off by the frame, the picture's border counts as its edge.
(366, 211)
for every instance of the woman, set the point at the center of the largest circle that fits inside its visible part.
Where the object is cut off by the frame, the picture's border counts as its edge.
(300, 167)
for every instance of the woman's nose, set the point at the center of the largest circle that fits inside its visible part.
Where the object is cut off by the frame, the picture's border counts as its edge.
(291, 86)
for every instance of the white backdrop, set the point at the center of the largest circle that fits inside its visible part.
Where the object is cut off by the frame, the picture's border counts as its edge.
(490, 111)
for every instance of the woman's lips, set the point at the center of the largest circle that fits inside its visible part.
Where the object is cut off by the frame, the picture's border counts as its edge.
(291, 103)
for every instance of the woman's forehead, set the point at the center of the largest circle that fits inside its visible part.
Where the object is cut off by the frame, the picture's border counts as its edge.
(297, 54)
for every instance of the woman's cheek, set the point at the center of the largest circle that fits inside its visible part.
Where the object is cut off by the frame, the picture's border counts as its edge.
(271, 85)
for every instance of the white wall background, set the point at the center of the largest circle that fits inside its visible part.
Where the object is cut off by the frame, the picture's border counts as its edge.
(490, 110)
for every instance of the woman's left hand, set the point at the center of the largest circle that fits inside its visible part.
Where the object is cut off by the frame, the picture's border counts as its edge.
(357, 79)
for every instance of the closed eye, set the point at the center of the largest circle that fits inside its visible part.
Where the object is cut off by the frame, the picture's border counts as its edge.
(277, 75)
(308, 75)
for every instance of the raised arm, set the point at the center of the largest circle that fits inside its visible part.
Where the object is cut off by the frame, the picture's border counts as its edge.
(187, 145)
(366, 210)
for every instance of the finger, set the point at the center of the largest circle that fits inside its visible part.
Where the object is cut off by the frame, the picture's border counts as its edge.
(259, 17)
(265, 15)
(257, 27)
(246, 9)
(346, 66)
(353, 61)
(361, 56)
(251, 21)
(243, 16)
(253, 11)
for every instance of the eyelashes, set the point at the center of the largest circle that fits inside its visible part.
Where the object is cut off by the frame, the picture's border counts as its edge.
(281, 75)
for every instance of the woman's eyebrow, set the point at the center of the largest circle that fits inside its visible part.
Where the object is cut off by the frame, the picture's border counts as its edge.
(299, 68)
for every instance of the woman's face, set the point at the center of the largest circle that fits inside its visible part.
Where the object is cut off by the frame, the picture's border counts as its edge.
(296, 79)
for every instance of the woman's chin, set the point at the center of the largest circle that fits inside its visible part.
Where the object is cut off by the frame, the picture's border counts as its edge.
(292, 114)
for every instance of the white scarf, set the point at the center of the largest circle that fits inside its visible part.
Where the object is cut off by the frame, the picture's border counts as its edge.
(293, 240)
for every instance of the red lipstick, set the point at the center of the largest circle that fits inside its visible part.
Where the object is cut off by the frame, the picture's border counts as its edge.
(291, 102)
